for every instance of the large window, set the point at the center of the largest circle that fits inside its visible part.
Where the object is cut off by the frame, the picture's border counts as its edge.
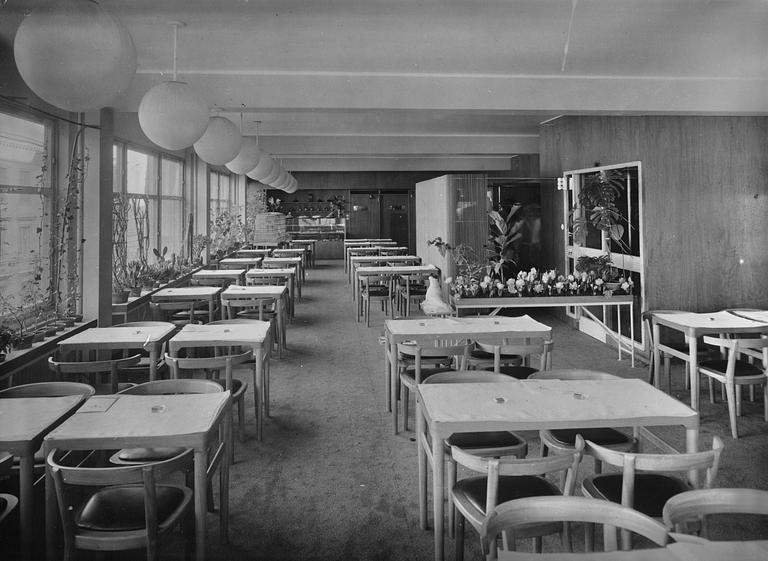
(223, 193)
(26, 212)
(153, 184)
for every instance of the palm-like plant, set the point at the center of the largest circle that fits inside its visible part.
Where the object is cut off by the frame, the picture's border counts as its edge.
(504, 232)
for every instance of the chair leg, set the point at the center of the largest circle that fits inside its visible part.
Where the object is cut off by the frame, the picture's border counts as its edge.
(241, 418)
(451, 479)
(711, 390)
(730, 393)
(405, 397)
(459, 536)
(738, 401)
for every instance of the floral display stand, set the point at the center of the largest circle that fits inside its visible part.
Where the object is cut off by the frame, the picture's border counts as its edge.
(579, 301)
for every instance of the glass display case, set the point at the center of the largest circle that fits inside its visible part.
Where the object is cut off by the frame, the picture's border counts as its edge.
(329, 233)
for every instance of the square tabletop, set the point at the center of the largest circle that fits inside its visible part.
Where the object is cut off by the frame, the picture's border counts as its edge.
(25, 420)
(132, 421)
(711, 322)
(256, 290)
(252, 252)
(218, 273)
(291, 260)
(254, 261)
(523, 326)
(550, 404)
(118, 337)
(185, 293)
(276, 272)
(252, 334)
(396, 270)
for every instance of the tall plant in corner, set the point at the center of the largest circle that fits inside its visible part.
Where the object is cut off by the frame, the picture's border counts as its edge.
(504, 231)
(596, 206)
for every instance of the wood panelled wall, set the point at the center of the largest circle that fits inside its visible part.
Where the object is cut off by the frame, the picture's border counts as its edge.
(705, 197)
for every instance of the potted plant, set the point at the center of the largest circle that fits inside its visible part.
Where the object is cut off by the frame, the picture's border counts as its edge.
(7, 337)
(134, 271)
(596, 206)
(504, 231)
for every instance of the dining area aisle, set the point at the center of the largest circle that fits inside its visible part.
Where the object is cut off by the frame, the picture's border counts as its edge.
(330, 481)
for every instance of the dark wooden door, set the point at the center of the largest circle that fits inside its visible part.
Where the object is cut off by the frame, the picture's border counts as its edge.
(363, 216)
(394, 217)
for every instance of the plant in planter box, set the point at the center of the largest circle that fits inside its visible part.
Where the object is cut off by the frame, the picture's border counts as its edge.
(120, 285)
(7, 338)
(596, 206)
(504, 231)
(134, 272)
(14, 313)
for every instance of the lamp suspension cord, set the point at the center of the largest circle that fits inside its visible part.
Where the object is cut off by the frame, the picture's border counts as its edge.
(175, 41)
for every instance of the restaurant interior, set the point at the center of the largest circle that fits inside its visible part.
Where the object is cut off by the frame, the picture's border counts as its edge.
(383, 279)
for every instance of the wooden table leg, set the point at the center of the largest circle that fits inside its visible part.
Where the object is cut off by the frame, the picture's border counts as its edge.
(656, 355)
(692, 445)
(393, 381)
(201, 483)
(438, 484)
(422, 458)
(153, 358)
(693, 363)
(26, 506)
(51, 513)
(224, 479)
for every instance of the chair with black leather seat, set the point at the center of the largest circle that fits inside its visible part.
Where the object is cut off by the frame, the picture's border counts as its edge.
(379, 288)
(509, 518)
(92, 369)
(140, 372)
(733, 372)
(417, 362)
(262, 308)
(410, 289)
(180, 313)
(7, 502)
(673, 340)
(513, 357)
(485, 443)
(126, 509)
(505, 479)
(689, 511)
(645, 483)
(563, 440)
(213, 367)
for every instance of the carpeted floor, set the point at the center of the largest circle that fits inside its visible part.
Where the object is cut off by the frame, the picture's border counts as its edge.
(331, 482)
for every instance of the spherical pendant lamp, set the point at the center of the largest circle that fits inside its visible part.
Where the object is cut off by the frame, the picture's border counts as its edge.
(173, 115)
(220, 142)
(75, 55)
(282, 184)
(247, 158)
(292, 188)
(263, 168)
(281, 178)
(276, 169)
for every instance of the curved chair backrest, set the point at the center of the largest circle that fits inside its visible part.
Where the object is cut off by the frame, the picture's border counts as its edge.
(632, 462)
(259, 304)
(143, 324)
(232, 321)
(691, 505)
(524, 348)
(517, 513)
(49, 389)
(468, 376)
(169, 387)
(224, 363)
(92, 366)
(572, 374)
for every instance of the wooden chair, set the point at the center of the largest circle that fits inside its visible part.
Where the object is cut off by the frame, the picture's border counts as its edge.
(505, 479)
(215, 366)
(486, 443)
(426, 361)
(513, 356)
(645, 483)
(180, 313)
(262, 308)
(677, 343)
(512, 518)
(49, 389)
(94, 368)
(563, 440)
(695, 506)
(7, 502)
(129, 510)
(140, 372)
(733, 373)
(379, 288)
(410, 289)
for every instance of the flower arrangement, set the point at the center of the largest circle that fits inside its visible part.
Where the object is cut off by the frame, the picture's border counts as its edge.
(534, 283)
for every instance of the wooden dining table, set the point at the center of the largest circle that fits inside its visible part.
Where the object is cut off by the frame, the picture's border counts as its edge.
(429, 330)
(23, 424)
(387, 270)
(263, 252)
(220, 275)
(148, 337)
(240, 262)
(284, 262)
(256, 335)
(517, 405)
(380, 260)
(286, 274)
(194, 421)
(278, 292)
(310, 245)
(694, 325)
(208, 294)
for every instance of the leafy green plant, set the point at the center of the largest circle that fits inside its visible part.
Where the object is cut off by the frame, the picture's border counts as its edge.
(596, 206)
(119, 243)
(504, 231)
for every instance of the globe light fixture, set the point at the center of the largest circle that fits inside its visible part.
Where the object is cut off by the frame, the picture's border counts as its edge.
(281, 178)
(247, 158)
(263, 168)
(75, 55)
(220, 142)
(276, 169)
(172, 114)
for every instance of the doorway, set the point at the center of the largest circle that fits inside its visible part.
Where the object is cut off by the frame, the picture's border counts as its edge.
(381, 214)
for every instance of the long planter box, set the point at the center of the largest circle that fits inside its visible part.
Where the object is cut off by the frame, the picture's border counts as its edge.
(542, 301)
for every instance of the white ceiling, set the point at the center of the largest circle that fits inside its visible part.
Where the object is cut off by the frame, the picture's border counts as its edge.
(414, 84)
